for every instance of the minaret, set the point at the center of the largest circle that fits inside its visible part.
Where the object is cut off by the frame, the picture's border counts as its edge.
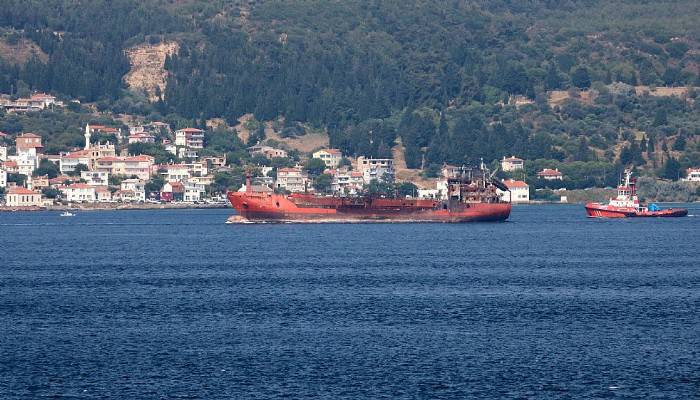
(87, 136)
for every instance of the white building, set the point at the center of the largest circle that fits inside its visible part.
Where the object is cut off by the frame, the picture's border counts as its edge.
(71, 160)
(3, 178)
(141, 138)
(376, 168)
(693, 175)
(512, 164)
(95, 178)
(519, 191)
(331, 157)
(139, 166)
(267, 151)
(26, 164)
(136, 187)
(3, 153)
(175, 172)
(192, 138)
(428, 193)
(79, 192)
(292, 179)
(21, 197)
(550, 174)
(347, 182)
(184, 152)
(102, 194)
(193, 191)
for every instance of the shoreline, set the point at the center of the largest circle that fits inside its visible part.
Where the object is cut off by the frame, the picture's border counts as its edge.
(112, 207)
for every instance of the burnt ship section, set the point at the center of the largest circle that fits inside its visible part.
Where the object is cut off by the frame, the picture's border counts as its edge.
(471, 197)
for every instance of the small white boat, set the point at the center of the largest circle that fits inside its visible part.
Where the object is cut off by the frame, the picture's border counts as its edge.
(67, 214)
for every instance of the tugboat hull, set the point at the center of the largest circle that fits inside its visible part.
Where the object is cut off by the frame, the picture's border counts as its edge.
(597, 210)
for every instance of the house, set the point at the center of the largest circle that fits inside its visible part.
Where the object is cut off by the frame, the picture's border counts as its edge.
(102, 194)
(105, 130)
(141, 138)
(36, 102)
(512, 164)
(184, 152)
(174, 172)
(152, 128)
(61, 180)
(331, 157)
(28, 144)
(215, 162)
(71, 160)
(376, 168)
(267, 151)
(518, 191)
(22, 197)
(345, 181)
(172, 191)
(194, 191)
(693, 175)
(25, 163)
(136, 189)
(95, 178)
(202, 180)
(139, 166)
(3, 178)
(550, 174)
(79, 193)
(10, 166)
(37, 182)
(3, 153)
(43, 101)
(292, 179)
(192, 138)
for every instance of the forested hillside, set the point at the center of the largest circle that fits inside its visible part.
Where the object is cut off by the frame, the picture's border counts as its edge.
(456, 80)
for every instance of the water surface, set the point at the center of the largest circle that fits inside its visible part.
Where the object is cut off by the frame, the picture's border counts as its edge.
(176, 304)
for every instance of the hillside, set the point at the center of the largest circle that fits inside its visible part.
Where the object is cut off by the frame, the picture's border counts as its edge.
(441, 76)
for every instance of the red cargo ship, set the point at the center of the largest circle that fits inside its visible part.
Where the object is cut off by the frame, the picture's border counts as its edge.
(471, 197)
(627, 205)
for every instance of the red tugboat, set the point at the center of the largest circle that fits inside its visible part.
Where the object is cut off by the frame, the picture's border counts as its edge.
(626, 204)
(471, 197)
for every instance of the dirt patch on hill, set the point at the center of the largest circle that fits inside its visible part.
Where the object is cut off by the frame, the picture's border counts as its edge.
(305, 144)
(21, 51)
(147, 72)
(403, 173)
(662, 91)
(558, 97)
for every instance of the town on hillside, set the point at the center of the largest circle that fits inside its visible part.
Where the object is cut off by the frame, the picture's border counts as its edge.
(99, 175)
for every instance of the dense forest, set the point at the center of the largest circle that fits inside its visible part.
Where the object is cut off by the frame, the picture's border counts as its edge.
(441, 76)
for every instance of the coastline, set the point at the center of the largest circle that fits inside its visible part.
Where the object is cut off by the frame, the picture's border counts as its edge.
(113, 207)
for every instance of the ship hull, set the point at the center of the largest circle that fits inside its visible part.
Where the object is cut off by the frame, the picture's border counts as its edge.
(279, 208)
(597, 210)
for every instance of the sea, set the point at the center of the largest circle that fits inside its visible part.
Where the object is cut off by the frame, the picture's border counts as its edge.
(173, 304)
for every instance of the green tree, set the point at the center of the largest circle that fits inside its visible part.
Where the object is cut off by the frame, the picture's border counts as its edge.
(315, 166)
(47, 167)
(78, 169)
(407, 189)
(580, 78)
(322, 183)
(50, 193)
(155, 184)
(660, 117)
(671, 169)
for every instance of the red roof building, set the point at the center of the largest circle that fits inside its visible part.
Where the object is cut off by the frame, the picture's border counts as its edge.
(550, 174)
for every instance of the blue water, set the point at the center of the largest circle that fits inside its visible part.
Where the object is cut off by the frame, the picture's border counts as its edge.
(176, 304)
